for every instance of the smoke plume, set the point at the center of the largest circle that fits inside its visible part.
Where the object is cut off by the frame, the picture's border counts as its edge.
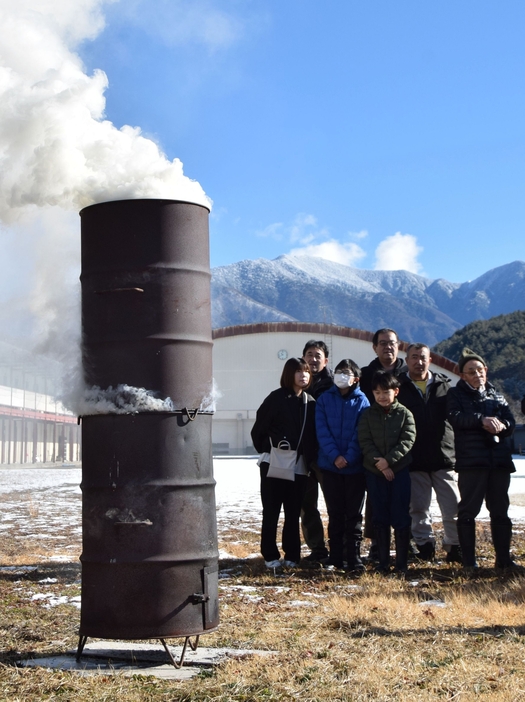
(58, 154)
(56, 148)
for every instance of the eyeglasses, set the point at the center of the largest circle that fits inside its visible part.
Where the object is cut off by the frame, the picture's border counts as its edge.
(477, 371)
(387, 343)
(344, 372)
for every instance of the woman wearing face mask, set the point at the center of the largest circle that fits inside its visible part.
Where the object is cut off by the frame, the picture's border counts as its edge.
(337, 415)
(287, 414)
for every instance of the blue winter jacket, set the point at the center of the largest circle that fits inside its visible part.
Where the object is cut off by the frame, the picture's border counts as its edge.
(336, 420)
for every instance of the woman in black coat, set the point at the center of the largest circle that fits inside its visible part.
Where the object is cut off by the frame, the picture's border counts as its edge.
(281, 417)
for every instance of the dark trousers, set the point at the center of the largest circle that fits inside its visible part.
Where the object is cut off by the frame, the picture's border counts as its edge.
(390, 499)
(489, 485)
(277, 493)
(344, 496)
(311, 522)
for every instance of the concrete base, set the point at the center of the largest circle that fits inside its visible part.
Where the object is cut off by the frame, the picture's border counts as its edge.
(129, 658)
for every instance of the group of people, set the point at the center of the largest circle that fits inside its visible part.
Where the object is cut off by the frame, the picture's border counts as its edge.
(390, 432)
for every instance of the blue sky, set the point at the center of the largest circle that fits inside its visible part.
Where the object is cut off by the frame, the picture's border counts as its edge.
(389, 133)
(378, 134)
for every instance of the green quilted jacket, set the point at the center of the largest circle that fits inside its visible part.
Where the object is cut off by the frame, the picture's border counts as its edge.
(388, 435)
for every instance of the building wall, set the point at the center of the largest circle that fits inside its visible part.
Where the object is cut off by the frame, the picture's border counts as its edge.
(247, 367)
(36, 428)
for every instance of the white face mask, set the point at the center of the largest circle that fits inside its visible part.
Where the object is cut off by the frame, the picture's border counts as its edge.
(343, 381)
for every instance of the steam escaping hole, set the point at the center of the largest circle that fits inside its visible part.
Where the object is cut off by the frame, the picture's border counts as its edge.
(123, 399)
(126, 399)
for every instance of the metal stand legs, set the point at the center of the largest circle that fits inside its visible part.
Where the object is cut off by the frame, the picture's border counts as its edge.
(177, 664)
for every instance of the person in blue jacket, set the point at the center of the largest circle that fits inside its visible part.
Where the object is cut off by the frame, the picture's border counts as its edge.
(337, 414)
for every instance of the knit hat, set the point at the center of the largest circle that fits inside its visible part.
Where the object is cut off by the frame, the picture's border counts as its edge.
(468, 355)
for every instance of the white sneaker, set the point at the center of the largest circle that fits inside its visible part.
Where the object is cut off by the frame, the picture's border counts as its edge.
(290, 564)
(272, 564)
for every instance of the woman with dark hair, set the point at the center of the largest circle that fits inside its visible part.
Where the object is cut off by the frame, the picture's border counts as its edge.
(287, 414)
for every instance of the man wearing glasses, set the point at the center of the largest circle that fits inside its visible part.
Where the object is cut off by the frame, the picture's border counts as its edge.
(481, 419)
(385, 344)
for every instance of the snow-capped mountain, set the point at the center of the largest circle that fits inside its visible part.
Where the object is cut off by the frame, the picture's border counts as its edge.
(306, 289)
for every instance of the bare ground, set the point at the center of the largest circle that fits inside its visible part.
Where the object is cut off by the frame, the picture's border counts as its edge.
(436, 635)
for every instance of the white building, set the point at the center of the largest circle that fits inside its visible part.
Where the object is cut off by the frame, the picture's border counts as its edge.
(248, 361)
(34, 426)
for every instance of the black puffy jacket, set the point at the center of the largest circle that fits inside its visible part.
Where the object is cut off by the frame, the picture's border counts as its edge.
(321, 382)
(367, 373)
(476, 448)
(281, 417)
(434, 447)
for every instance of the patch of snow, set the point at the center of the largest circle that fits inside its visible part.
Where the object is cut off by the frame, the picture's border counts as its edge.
(42, 502)
(49, 600)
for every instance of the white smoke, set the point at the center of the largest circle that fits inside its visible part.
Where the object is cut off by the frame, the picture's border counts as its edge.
(56, 148)
(210, 400)
(58, 154)
(125, 399)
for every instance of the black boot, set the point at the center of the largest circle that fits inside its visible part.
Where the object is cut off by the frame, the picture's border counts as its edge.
(355, 564)
(467, 541)
(426, 552)
(383, 548)
(501, 537)
(454, 554)
(402, 539)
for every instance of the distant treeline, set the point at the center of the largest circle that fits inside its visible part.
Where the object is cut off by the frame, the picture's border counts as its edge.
(501, 342)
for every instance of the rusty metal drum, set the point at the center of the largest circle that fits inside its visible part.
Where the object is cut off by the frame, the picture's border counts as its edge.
(146, 309)
(149, 555)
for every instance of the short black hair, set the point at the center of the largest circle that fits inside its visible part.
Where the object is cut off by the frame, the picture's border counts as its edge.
(352, 365)
(384, 380)
(291, 366)
(418, 346)
(313, 344)
(375, 338)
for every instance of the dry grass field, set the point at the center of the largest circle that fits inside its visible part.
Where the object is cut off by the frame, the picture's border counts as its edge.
(434, 636)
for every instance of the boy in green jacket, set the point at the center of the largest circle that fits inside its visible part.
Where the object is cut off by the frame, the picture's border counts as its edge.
(387, 432)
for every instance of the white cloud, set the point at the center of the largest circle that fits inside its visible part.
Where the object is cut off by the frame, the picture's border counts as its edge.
(398, 252)
(304, 229)
(316, 241)
(332, 250)
(272, 231)
(182, 22)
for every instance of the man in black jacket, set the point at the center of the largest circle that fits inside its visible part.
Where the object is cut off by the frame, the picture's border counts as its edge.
(315, 353)
(425, 394)
(386, 345)
(482, 420)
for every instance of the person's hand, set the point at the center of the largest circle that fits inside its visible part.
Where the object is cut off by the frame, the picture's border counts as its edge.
(340, 462)
(493, 425)
(382, 465)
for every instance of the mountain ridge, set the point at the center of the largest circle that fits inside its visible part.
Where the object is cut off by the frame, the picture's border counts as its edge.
(308, 289)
